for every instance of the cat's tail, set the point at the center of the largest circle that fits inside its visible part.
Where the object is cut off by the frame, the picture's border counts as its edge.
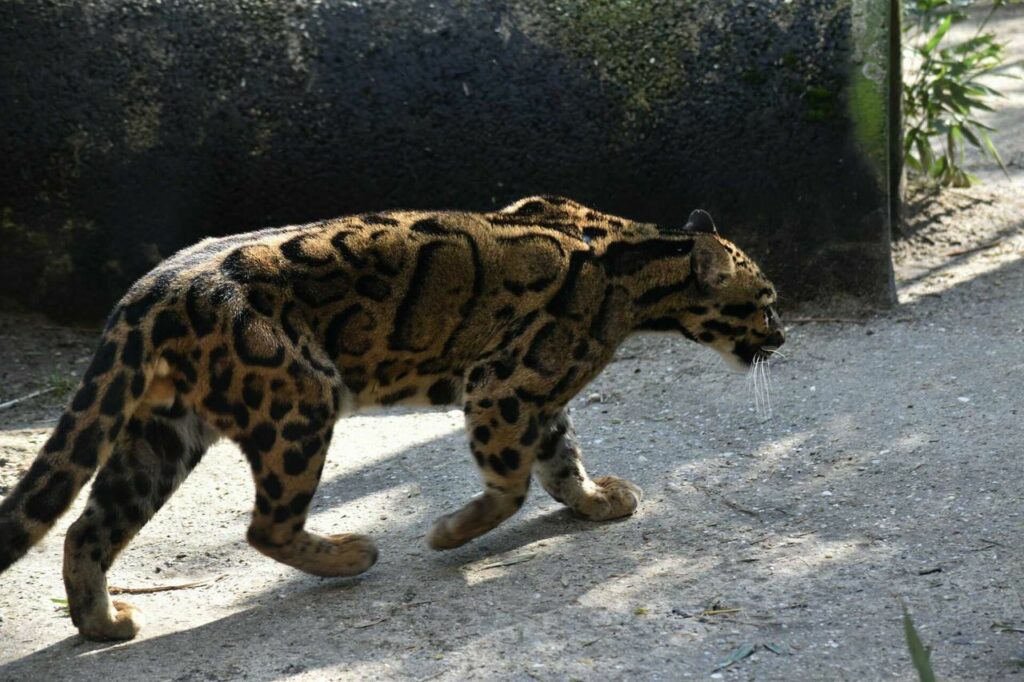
(111, 390)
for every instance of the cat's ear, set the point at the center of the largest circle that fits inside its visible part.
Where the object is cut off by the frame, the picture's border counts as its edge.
(700, 221)
(710, 264)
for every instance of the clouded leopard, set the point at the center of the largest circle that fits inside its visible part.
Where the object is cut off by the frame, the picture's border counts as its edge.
(269, 337)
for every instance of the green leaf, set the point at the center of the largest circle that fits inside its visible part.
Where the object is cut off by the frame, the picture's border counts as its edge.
(939, 33)
(737, 655)
(919, 655)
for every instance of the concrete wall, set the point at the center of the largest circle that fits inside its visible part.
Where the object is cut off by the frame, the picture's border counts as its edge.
(131, 128)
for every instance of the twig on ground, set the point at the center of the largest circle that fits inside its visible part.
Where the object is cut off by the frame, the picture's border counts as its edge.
(718, 612)
(826, 320)
(735, 506)
(975, 249)
(33, 394)
(371, 623)
(508, 562)
(162, 588)
(841, 320)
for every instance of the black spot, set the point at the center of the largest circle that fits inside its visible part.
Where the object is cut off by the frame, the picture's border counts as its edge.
(514, 288)
(529, 436)
(262, 437)
(399, 395)
(486, 404)
(656, 294)
(115, 429)
(116, 536)
(183, 365)
(85, 397)
(262, 505)
(300, 502)
(510, 456)
(168, 325)
(272, 486)
(84, 452)
(252, 391)
(296, 431)
(35, 473)
(294, 462)
(530, 208)
(279, 408)
(136, 310)
(581, 349)
(519, 500)
(59, 440)
(497, 465)
(724, 328)
(132, 513)
(532, 359)
(505, 312)
(565, 382)
(139, 384)
(740, 310)
(336, 339)
(661, 324)
(504, 368)
(14, 541)
(311, 446)
(87, 536)
(102, 361)
(558, 306)
(262, 301)
(476, 375)
(175, 411)
(142, 484)
(199, 316)
(292, 250)
(441, 392)
(377, 219)
(509, 408)
(429, 226)
(706, 337)
(482, 434)
(353, 259)
(54, 497)
(591, 233)
(697, 309)
(628, 258)
(131, 354)
(531, 397)
(165, 442)
(113, 398)
(373, 288)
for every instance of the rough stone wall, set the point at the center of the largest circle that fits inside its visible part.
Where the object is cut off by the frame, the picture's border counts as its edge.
(131, 128)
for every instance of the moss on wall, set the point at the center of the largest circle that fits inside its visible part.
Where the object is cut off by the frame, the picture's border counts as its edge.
(136, 127)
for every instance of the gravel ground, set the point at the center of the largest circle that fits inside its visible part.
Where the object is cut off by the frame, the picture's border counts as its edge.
(888, 469)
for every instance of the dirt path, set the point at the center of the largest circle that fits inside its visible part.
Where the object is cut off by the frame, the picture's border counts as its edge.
(891, 468)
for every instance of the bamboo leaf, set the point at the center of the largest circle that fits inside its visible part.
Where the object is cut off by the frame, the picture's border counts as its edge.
(919, 655)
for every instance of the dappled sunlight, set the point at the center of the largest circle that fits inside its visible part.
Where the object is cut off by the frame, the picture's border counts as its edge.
(370, 511)
(390, 433)
(501, 567)
(959, 271)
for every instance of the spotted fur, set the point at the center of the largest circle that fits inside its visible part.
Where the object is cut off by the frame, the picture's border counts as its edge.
(268, 338)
